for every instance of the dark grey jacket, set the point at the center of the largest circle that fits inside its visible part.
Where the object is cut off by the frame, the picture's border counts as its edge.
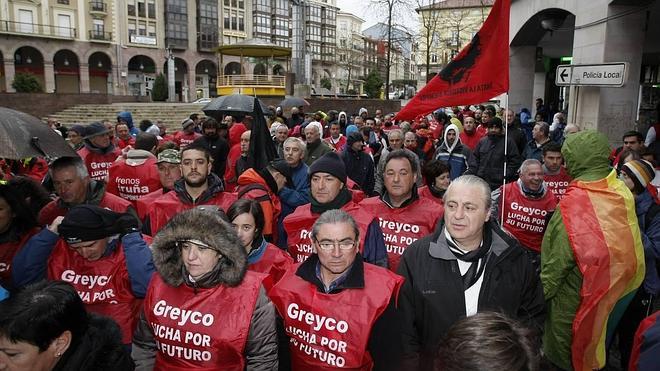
(207, 226)
(432, 296)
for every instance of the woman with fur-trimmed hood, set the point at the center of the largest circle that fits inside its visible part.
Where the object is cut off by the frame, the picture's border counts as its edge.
(202, 309)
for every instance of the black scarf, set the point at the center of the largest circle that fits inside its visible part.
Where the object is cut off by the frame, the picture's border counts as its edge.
(476, 257)
(439, 193)
(342, 199)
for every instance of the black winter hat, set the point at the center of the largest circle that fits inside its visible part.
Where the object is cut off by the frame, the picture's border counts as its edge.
(283, 168)
(88, 223)
(329, 163)
(94, 129)
(496, 122)
(353, 137)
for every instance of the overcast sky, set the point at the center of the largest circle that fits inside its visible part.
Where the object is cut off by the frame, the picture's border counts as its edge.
(370, 13)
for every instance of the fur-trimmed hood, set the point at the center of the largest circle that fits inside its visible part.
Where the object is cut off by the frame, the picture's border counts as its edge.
(209, 227)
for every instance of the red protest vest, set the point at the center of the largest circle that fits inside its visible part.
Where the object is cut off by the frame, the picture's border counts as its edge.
(182, 139)
(123, 143)
(330, 331)
(339, 144)
(98, 164)
(274, 262)
(557, 183)
(403, 226)
(526, 218)
(143, 204)
(131, 182)
(7, 252)
(298, 227)
(103, 285)
(425, 193)
(203, 328)
(252, 186)
(169, 204)
(109, 201)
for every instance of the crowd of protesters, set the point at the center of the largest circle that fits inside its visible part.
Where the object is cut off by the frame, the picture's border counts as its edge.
(473, 238)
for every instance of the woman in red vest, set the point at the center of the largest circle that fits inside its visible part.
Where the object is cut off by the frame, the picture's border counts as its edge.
(202, 309)
(247, 218)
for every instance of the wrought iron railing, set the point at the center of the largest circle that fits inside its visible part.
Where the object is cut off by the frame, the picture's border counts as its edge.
(97, 6)
(100, 35)
(37, 29)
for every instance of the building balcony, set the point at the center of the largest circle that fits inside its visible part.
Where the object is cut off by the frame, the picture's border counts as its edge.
(100, 36)
(37, 30)
(259, 85)
(98, 8)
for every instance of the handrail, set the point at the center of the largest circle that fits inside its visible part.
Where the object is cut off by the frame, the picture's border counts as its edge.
(97, 6)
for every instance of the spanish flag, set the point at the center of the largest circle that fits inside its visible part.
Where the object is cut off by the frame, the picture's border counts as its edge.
(608, 250)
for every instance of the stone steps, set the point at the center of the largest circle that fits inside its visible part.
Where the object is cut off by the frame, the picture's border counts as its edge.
(170, 113)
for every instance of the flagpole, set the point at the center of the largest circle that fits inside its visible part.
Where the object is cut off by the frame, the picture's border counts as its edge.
(506, 148)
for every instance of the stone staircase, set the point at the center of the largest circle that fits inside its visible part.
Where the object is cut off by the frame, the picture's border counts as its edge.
(170, 113)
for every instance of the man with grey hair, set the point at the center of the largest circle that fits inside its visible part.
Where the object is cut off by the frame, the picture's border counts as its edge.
(526, 206)
(315, 146)
(404, 216)
(74, 186)
(540, 139)
(298, 193)
(467, 265)
(331, 283)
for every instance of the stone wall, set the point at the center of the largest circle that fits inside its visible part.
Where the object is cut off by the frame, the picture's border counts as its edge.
(43, 104)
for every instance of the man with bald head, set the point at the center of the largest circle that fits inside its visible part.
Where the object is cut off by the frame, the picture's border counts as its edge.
(242, 162)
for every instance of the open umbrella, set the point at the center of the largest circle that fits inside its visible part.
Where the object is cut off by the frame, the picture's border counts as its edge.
(293, 102)
(235, 104)
(23, 136)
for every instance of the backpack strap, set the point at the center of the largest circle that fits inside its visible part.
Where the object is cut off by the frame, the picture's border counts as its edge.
(243, 190)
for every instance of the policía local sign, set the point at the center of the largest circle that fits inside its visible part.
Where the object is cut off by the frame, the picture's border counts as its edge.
(605, 74)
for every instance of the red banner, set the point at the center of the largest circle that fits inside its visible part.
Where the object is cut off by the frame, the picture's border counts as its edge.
(478, 73)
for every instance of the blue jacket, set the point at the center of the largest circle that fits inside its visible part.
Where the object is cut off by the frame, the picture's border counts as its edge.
(291, 198)
(651, 240)
(532, 151)
(31, 262)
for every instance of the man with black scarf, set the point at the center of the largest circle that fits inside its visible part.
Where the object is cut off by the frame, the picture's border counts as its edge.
(359, 165)
(328, 192)
(467, 265)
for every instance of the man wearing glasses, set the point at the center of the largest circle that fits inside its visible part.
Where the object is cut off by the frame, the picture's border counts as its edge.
(99, 252)
(338, 311)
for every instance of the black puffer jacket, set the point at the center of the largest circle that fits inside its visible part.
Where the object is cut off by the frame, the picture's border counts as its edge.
(487, 160)
(99, 349)
(207, 226)
(432, 297)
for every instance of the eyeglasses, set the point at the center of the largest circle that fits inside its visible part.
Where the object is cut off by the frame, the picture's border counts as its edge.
(327, 245)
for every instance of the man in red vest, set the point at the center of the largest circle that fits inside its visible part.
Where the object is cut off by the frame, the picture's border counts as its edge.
(123, 135)
(99, 152)
(471, 134)
(137, 175)
(199, 186)
(73, 186)
(527, 206)
(554, 174)
(99, 252)
(187, 135)
(169, 172)
(404, 217)
(329, 287)
(328, 191)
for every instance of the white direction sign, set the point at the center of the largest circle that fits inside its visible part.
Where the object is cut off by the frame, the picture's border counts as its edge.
(606, 74)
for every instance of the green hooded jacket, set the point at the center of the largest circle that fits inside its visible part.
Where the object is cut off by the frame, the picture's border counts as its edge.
(586, 157)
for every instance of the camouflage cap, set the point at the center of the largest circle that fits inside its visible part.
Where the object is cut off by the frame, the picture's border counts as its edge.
(171, 156)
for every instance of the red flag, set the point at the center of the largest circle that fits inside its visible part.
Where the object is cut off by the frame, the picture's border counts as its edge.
(478, 73)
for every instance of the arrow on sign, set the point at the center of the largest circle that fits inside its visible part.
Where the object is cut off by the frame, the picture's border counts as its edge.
(563, 75)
